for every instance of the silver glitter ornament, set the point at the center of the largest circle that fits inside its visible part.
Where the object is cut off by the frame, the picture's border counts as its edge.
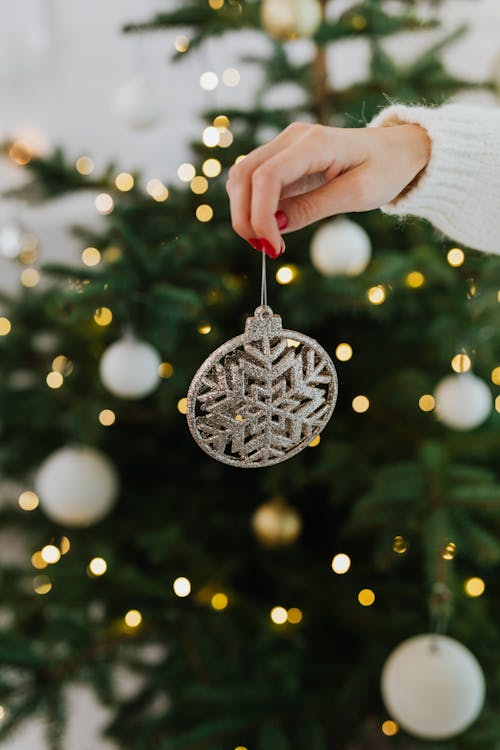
(262, 397)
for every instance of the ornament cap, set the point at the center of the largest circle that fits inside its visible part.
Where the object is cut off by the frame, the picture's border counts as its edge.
(263, 323)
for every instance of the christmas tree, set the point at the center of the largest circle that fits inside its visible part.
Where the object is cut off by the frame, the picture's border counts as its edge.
(257, 608)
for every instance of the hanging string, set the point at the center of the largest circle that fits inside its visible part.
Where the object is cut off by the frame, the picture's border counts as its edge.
(263, 285)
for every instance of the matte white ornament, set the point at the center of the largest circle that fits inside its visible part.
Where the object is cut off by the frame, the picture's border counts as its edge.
(139, 103)
(77, 485)
(433, 686)
(287, 19)
(463, 401)
(341, 247)
(129, 368)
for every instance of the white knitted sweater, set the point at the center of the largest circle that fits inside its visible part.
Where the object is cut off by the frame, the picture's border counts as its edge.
(459, 191)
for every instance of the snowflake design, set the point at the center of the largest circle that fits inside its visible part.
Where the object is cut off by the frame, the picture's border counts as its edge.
(262, 397)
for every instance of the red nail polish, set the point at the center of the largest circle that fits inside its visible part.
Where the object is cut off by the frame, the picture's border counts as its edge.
(255, 243)
(282, 219)
(268, 248)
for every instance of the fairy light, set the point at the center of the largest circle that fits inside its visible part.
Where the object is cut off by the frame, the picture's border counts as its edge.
(341, 563)
(182, 405)
(294, 615)
(20, 153)
(50, 554)
(216, 4)
(449, 551)
(376, 295)
(165, 370)
(84, 165)
(455, 257)
(221, 121)
(107, 417)
(181, 43)
(209, 80)
(415, 279)
(461, 363)
(133, 618)
(366, 597)
(62, 364)
(474, 587)
(286, 274)
(5, 326)
(104, 203)
(103, 316)
(231, 77)
(54, 380)
(390, 728)
(2, 713)
(399, 545)
(343, 352)
(359, 22)
(210, 136)
(240, 158)
(199, 185)
(497, 404)
(427, 402)
(495, 376)
(30, 277)
(157, 190)
(91, 256)
(226, 138)
(279, 615)
(37, 561)
(204, 213)
(212, 168)
(360, 404)
(42, 585)
(314, 443)
(124, 182)
(182, 587)
(204, 328)
(97, 566)
(186, 172)
(219, 601)
(28, 500)
(64, 545)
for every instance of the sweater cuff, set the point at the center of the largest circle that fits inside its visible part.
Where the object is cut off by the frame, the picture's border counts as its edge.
(461, 157)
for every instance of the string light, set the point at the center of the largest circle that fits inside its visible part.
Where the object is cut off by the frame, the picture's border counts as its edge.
(124, 182)
(104, 203)
(366, 597)
(37, 561)
(28, 500)
(204, 213)
(292, 343)
(182, 587)
(415, 279)
(231, 77)
(62, 364)
(157, 190)
(182, 405)
(186, 172)
(50, 554)
(204, 328)
(294, 615)
(54, 380)
(219, 601)
(42, 585)
(474, 587)
(399, 545)
(495, 376)
(279, 615)
(240, 158)
(20, 153)
(360, 404)
(111, 254)
(216, 4)
(181, 43)
(5, 326)
(210, 136)
(449, 551)
(212, 167)
(97, 567)
(497, 403)
(91, 256)
(314, 443)
(455, 257)
(427, 402)
(209, 81)
(222, 121)
(133, 618)
(341, 563)
(103, 316)
(226, 138)
(390, 728)
(64, 545)
(461, 363)
(359, 22)
(30, 277)
(376, 295)
(343, 352)
(165, 370)
(84, 165)
(2, 713)
(286, 274)
(107, 417)
(199, 185)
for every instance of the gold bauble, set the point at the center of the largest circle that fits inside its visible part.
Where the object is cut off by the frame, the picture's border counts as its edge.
(276, 523)
(289, 19)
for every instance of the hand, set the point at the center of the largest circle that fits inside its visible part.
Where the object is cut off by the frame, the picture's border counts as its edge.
(309, 172)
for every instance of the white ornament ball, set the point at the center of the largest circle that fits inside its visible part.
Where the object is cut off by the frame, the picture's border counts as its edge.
(433, 686)
(129, 368)
(287, 19)
(341, 247)
(139, 103)
(463, 401)
(77, 486)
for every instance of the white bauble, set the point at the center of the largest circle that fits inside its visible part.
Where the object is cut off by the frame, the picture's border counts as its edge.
(77, 485)
(139, 103)
(463, 401)
(341, 247)
(288, 19)
(433, 686)
(129, 368)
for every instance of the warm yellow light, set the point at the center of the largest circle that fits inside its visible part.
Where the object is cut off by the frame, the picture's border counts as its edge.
(455, 257)
(343, 352)
(112, 253)
(182, 587)
(62, 364)
(366, 597)
(294, 615)
(98, 566)
(84, 165)
(28, 500)
(91, 256)
(399, 545)
(212, 167)
(157, 190)
(219, 601)
(341, 563)
(359, 22)
(29, 252)
(449, 550)
(210, 136)
(415, 279)
(240, 158)
(103, 316)
(182, 405)
(209, 80)
(497, 403)
(124, 182)
(427, 402)
(50, 554)
(461, 363)
(54, 379)
(221, 121)
(231, 77)
(495, 376)
(314, 443)
(199, 185)
(286, 274)
(165, 370)
(186, 172)
(474, 587)
(181, 43)
(37, 561)
(20, 153)
(360, 404)
(133, 618)
(30, 277)
(216, 4)
(204, 213)
(390, 728)
(241, 747)
(2, 713)
(292, 343)
(107, 417)
(226, 138)
(104, 203)
(5, 326)
(376, 295)
(64, 545)
(204, 328)
(279, 615)
(41, 585)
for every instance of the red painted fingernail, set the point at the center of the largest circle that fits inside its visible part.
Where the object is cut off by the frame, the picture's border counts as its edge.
(268, 248)
(255, 243)
(283, 248)
(282, 219)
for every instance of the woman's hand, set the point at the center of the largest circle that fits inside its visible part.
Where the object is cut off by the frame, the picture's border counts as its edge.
(309, 172)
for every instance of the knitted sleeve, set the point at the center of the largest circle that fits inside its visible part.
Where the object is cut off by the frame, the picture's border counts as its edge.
(459, 191)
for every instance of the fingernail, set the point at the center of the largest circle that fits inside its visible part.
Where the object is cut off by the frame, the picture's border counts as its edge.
(283, 247)
(255, 244)
(268, 248)
(282, 219)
